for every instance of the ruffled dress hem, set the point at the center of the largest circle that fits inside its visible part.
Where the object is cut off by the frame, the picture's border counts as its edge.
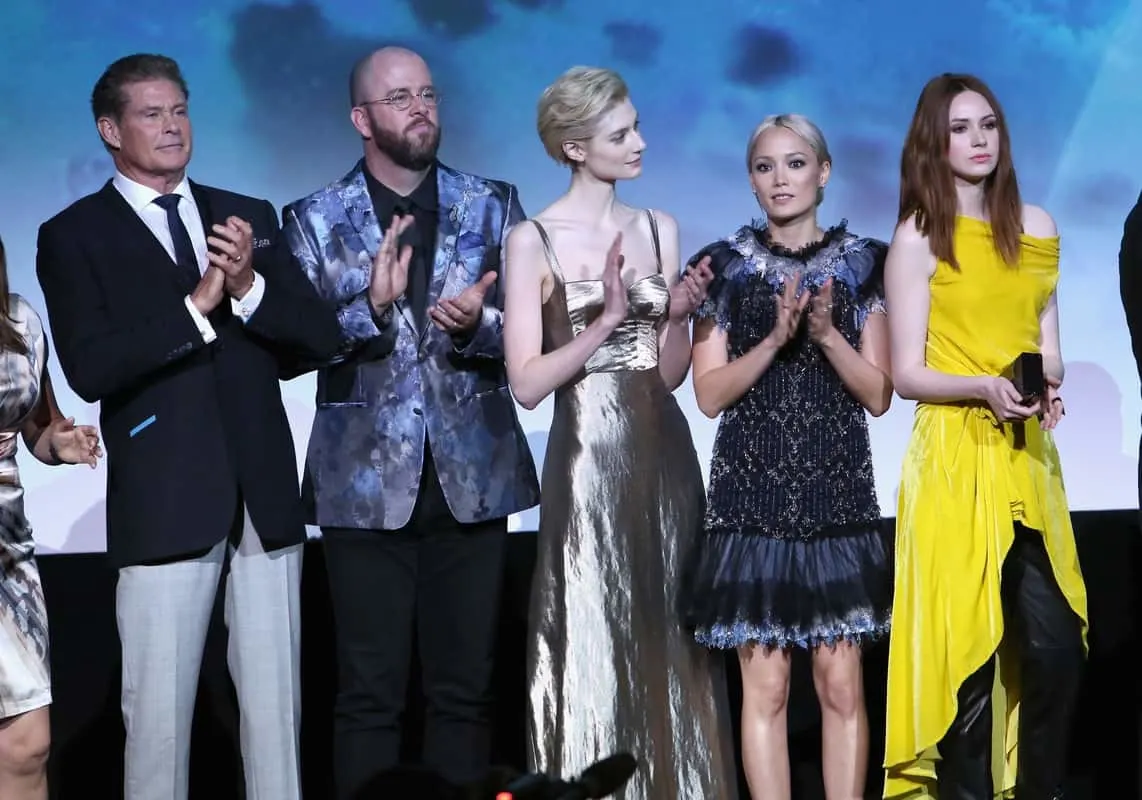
(782, 593)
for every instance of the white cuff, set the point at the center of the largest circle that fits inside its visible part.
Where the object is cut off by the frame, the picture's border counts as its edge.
(201, 322)
(244, 309)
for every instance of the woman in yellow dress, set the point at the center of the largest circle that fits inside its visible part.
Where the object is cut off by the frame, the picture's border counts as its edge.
(989, 613)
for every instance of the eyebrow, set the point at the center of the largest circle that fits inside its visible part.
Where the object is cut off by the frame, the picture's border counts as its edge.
(796, 153)
(965, 119)
(409, 89)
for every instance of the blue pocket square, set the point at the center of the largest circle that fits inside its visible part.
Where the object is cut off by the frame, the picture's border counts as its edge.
(148, 422)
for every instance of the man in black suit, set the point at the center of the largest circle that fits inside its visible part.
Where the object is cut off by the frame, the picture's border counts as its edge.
(173, 304)
(1130, 288)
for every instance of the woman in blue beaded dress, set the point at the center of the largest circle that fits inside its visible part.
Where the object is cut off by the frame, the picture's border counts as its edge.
(791, 348)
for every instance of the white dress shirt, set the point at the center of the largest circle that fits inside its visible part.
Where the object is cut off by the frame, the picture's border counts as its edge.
(142, 199)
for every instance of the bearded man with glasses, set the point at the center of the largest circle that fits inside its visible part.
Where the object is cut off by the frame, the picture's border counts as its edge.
(416, 457)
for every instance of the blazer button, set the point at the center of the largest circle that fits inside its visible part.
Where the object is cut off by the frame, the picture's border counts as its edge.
(417, 411)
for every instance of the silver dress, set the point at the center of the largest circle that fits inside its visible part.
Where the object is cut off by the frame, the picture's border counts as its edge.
(24, 676)
(610, 668)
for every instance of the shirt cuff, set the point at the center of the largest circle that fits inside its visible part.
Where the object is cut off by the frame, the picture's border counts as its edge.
(244, 309)
(201, 322)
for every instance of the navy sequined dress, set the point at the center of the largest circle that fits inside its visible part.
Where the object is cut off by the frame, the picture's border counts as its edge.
(793, 553)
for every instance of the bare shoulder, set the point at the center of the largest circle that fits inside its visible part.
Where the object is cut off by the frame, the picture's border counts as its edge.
(524, 246)
(908, 233)
(1037, 222)
(523, 236)
(909, 249)
(666, 223)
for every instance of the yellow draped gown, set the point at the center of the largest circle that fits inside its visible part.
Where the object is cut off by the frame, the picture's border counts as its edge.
(965, 481)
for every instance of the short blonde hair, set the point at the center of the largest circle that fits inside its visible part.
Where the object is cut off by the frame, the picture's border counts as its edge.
(803, 127)
(570, 109)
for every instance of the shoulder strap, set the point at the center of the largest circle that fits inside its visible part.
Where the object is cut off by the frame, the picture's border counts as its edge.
(548, 251)
(654, 238)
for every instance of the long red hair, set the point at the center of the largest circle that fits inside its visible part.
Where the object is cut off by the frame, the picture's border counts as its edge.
(927, 184)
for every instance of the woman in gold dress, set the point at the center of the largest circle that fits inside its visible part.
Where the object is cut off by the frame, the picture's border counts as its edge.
(596, 313)
(987, 577)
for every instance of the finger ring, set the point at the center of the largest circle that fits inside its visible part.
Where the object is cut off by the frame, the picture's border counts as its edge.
(828, 306)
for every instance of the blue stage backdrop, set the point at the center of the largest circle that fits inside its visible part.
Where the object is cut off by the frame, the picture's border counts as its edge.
(270, 110)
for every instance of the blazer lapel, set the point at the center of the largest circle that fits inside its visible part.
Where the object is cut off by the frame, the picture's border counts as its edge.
(455, 205)
(206, 213)
(153, 252)
(363, 219)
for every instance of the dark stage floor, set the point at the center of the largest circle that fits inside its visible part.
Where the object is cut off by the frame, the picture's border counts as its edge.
(88, 733)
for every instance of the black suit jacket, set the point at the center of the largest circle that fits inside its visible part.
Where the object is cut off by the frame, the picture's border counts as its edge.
(1130, 289)
(190, 429)
(1130, 278)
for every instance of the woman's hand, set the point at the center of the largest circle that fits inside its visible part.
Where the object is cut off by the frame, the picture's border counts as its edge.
(821, 314)
(1005, 401)
(689, 292)
(1052, 410)
(614, 290)
(73, 444)
(790, 307)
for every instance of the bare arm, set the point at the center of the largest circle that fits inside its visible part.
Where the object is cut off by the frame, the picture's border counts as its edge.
(1053, 369)
(719, 382)
(533, 374)
(1038, 223)
(867, 373)
(43, 415)
(907, 271)
(674, 335)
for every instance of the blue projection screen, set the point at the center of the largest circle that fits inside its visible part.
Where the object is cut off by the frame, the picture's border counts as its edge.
(270, 111)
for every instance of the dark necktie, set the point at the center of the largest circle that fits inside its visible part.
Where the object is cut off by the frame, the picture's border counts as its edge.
(416, 291)
(183, 249)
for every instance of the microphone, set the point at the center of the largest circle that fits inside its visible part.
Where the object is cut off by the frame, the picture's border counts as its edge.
(604, 778)
(600, 780)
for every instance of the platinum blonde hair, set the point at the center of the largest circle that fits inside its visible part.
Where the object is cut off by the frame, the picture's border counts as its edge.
(570, 109)
(803, 127)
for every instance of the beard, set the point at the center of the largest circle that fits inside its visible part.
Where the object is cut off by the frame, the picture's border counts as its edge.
(413, 153)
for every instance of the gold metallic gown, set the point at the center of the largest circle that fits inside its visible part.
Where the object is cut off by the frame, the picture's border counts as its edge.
(609, 667)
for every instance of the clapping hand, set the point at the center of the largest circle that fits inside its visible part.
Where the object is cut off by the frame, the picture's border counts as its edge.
(461, 314)
(231, 250)
(820, 322)
(614, 290)
(790, 307)
(390, 266)
(690, 291)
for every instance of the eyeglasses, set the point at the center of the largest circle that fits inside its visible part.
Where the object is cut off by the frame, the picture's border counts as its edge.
(402, 99)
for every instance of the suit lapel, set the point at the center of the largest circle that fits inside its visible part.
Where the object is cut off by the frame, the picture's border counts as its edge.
(206, 213)
(152, 251)
(454, 208)
(363, 219)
